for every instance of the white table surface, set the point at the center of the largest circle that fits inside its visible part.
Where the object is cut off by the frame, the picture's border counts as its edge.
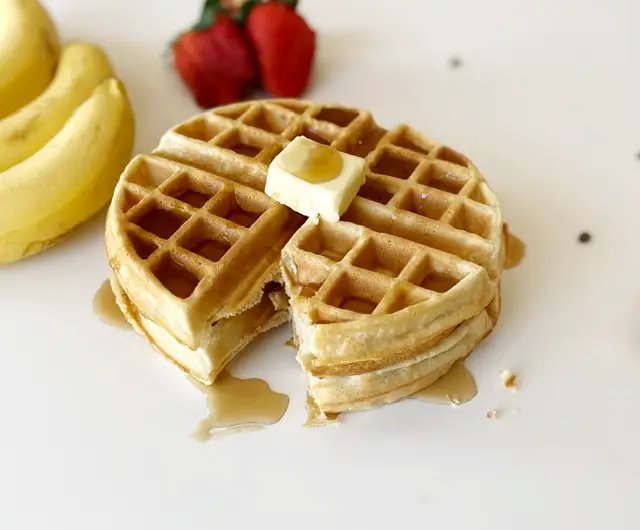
(95, 429)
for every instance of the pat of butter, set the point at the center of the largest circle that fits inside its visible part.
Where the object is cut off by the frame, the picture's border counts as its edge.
(315, 180)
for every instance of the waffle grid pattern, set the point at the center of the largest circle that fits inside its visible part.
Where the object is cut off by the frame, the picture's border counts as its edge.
(426, 194)
(186, 224)
(355, 274)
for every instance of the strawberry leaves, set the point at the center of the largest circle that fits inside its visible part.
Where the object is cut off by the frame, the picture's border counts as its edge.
(210, 11)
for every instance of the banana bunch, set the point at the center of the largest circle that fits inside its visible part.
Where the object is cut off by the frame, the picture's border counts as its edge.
(66, 131)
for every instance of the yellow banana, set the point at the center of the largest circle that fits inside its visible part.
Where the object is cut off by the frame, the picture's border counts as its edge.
(29, 52)
(82, 66)
(71, 178)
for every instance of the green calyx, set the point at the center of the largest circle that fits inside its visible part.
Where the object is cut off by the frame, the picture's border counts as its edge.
(210, 10)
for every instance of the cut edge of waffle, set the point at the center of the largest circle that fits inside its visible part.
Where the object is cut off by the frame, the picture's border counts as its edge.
(224, 340)
(335, 394)
(377, 294)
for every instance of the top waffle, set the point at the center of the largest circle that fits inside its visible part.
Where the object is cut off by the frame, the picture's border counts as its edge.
(193, 238)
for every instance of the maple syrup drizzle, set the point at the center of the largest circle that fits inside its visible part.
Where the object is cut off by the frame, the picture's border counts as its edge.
(105, 306)
(515, 251)
(322, 164)
(239, 405)
(457, 386)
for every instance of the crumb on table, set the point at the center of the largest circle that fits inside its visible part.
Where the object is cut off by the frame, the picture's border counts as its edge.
(509, 380)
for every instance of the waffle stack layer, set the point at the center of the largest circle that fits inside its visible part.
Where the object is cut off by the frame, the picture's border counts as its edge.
(383, 301)
(195, 257)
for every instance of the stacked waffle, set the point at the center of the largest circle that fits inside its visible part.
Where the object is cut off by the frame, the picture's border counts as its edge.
(195, 258)
(383, 301)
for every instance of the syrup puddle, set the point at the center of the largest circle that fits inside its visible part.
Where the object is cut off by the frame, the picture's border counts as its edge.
(239, 405)
(456, 387)
(105, 306)
(515, 251)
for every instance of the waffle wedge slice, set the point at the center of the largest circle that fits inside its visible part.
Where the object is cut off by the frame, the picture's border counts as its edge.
(419, 251)
(223, 340)
(333, 394)
(190, 248)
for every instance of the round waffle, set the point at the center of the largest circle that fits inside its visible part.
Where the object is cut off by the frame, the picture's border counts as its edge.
(416, 259)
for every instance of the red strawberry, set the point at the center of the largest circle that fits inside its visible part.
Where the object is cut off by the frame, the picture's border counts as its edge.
(214, 58)
(285, 47)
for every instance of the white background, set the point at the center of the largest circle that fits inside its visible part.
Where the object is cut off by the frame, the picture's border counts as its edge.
(95, 427)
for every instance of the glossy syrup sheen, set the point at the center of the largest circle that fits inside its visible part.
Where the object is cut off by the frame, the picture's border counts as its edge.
(515, 251)
(106, 308)
(237, 405)
(321, 164)
(457, 386)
